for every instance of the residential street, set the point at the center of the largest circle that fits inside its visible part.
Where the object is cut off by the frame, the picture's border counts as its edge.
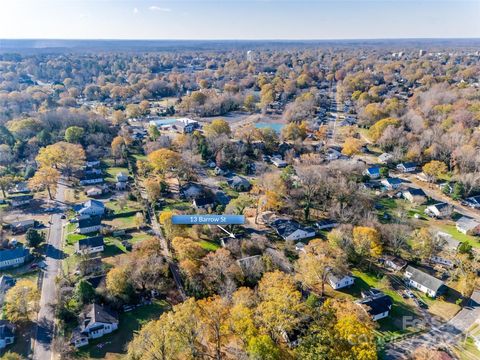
(445, 335)
(42, 349)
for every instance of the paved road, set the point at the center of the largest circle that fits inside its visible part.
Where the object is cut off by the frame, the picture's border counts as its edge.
(42, 349)
(443, 335)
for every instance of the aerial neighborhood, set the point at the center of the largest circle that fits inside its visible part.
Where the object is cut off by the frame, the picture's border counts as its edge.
(354, 170)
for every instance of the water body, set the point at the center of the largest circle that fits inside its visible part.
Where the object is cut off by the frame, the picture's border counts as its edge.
(275, 126)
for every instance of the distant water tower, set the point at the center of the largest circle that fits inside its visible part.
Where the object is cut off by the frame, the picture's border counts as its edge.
(250, 55)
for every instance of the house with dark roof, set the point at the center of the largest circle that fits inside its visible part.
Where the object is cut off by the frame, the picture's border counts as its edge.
(96, 321)
(407, 167)
(239, 183)
(378, 305)
(292, 230)
(6, 282)
(19, 227)
(326, 224)
(372, 172)
(391, 183)
(393, 262)
(89, 225)
(415, 195)
(204, 202)
(91, 179)
(20, 200)
(439, 210)
(90, 245)
(339, 280)
(11, 258)
(424, 282)
(7, 334)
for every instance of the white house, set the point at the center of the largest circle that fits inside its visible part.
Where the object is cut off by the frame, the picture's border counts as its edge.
(377, 306)
(96, 321)
(467, 225)
(7, 334)
(278, 162)
(394, 263)
(20, 200)
(292, 230)
(94, 191)
(372, 172)
(391, 183)
(339, 281)
(442, 261)
(90, 245)
(385, 158)
(439, 210)
(424, 282)
(10, 258)
(89, 225)
(92, 208)
(407, 167)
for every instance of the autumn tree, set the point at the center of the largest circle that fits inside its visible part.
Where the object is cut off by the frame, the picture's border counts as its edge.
(45, 178)
(317, 262)
(165, 161)
(352, 146)
(21, 301)
(367, 242)
(216, 128)
(118, 148)
(117, 282)
(434, 169)
(377, 129)
(280, 304)
(62, 156)
(294, 131)
(221, 272)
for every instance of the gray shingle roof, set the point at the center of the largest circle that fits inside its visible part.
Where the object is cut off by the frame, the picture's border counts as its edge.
(420, 277)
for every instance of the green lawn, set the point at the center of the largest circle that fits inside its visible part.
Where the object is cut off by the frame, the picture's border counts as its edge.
(452, 230)
(172, 204)
(119, 208)
(113, 171)
(208, 245)
(113, 247)
(114, 343)
(139, 237)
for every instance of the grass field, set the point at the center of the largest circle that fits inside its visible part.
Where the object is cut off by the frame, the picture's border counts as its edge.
(112, 346)
(113, 171)
(119, 208)
(208, 245)
(452, 230)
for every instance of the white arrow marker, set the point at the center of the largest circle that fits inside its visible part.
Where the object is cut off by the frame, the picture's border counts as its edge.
(232, 235)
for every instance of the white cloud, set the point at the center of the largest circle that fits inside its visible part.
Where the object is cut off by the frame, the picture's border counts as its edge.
(135, 10)
(157, 8)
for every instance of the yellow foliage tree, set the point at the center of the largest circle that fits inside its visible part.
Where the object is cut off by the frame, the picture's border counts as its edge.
(377, 129)
(352, 146)
(21, 301)
(434, 169)
(45, 178)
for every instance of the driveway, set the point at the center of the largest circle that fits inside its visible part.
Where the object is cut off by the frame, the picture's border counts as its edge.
(442, 335)
(42, 349)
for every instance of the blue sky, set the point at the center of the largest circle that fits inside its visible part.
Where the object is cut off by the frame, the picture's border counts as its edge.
(239, 19)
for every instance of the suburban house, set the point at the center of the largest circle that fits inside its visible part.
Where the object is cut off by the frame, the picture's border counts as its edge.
(7, 334)
(442, 261)
(467, 225)
(473, 202)
(90, 245)
(19, 227)
(204, 202)
(96, 321)
(94, 191)
(378, 305)
(424, 282)
(393, 262)
(239, 183)
(278, 162)
(91, 179)
(182, 125)
(10, 258)
(385, 158)
(92, 208)
(292, 230)
(91, 163)
(326, 224)
(439, 210)
(89, 225)
(20, 200)
(122, 177)
(448, 242)
(6, 282)
(192, 191)
(372, 172)
(407, 167)
(339, 281)
(414, 195)
(391, 183)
